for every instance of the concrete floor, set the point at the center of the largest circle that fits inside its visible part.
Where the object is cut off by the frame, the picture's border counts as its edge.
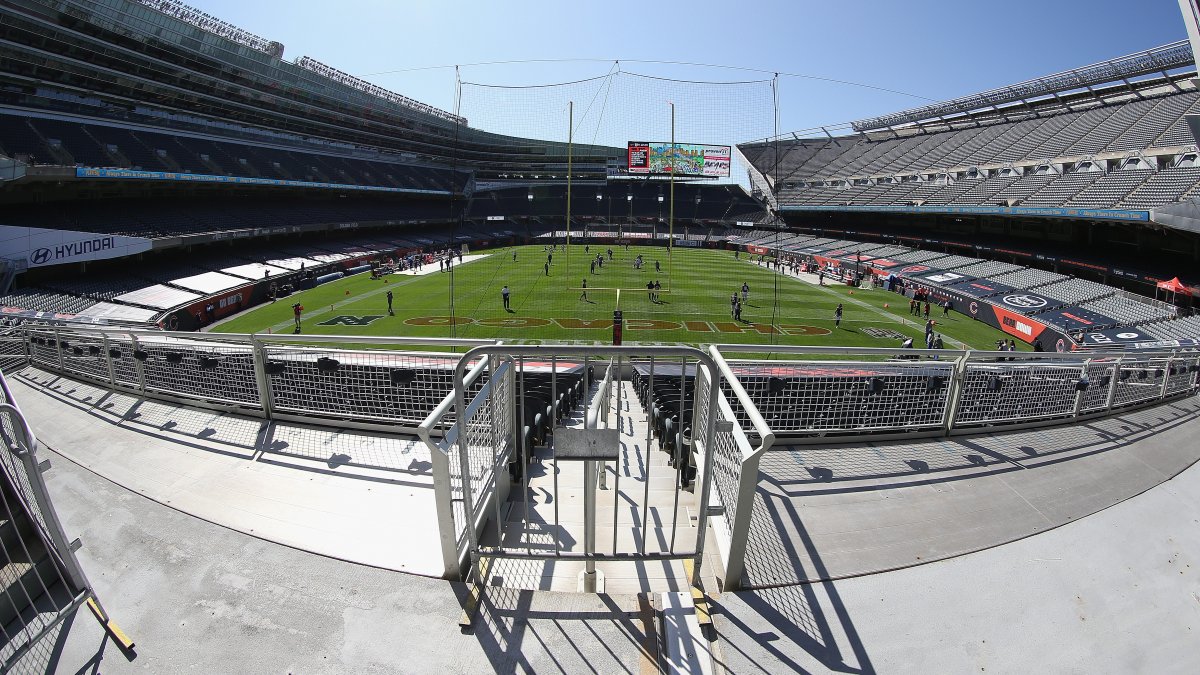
(1113, 591)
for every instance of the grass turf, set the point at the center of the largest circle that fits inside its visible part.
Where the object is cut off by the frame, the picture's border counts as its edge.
(694, 307)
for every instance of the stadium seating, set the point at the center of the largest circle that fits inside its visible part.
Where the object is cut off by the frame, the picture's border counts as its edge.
(1074, 291)
(1128, 310)
(102, 145)
(833, 172)
(1028, 278)
(1186, 327)
(45, 301)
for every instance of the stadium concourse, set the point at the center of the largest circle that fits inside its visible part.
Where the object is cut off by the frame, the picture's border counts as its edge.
(283, 499)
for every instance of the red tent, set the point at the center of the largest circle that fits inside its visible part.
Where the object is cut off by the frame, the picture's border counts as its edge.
(1175, 286)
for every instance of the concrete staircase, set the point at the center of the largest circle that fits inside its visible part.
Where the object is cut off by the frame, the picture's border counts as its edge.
(640, 481)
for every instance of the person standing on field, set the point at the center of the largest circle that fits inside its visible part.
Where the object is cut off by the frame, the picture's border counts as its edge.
(389, 299)
(837, 316)
(504, 295)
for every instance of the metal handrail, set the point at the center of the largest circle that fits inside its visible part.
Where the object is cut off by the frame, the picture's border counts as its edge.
(593, 417)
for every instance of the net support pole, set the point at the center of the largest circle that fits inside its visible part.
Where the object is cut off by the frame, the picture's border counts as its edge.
(671, 206)
(570, 153)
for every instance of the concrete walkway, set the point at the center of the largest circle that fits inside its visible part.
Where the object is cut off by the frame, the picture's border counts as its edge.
(835, 512)
(1057, 549)
(356, 496)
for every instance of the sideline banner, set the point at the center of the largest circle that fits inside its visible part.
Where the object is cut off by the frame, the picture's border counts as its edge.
(82, 172)
(1017, 325)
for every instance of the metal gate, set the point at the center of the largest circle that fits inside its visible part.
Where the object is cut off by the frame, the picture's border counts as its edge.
(602, 463)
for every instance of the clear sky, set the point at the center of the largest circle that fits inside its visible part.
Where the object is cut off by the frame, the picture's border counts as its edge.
(933, 49)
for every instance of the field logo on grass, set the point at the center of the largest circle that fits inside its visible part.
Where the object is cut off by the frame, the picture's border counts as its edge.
(348, 320)
(882, 333)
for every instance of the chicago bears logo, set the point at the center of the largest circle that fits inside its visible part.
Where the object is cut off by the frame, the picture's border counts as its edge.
(1023, 301)
(974, 308)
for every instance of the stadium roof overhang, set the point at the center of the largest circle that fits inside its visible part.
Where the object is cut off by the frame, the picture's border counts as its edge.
(1156, 60)
(1183, 216)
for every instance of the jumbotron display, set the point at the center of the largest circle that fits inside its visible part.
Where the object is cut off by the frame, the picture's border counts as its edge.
(682, 159)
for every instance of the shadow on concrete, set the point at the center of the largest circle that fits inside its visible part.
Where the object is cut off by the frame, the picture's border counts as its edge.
(786, 628)
(321, 450)
(812, 470)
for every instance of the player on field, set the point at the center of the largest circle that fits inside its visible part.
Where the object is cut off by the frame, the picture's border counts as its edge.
(583, 296)
(297, 310)
(504, 295)
(745, 292)
(389, 299)
(837, 316)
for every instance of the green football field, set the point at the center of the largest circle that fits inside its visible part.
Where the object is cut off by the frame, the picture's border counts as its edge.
(693, 307)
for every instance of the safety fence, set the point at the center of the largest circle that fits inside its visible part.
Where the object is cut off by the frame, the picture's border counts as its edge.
(349, 381)
(485, 417)
(43, 582)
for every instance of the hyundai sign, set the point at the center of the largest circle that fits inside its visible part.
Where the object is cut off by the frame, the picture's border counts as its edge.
(39, 247)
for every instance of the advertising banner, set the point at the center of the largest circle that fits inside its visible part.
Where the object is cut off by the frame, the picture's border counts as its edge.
(1017, 325)
(238, 180)
(1026, 302)
(981, 288)
(40, 247)
(1116, 337)
(1075, 318)
(682, 159)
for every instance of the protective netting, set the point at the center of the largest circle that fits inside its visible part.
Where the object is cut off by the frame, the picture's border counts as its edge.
(559, 179)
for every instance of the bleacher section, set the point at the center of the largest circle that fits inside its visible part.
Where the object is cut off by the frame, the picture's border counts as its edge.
(100, 145)
(1127, 310)
(1186, 327)
(1075, 291)
(1058, 145)
(1028, 278)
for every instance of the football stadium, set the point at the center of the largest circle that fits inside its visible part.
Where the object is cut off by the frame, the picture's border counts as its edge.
(610, 373)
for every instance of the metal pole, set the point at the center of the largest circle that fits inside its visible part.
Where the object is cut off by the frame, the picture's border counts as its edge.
(1112, 386)
(570, 152)
(671, 207)
(616, 382)
(649, 457)
(260, 377)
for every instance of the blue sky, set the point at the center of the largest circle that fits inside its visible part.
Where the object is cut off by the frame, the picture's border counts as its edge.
(931, 49)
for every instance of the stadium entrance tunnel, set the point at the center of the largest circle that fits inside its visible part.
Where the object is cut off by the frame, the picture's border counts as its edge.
(575, 467)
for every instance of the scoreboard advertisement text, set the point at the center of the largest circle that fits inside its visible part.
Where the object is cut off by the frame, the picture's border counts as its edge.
(682, 159)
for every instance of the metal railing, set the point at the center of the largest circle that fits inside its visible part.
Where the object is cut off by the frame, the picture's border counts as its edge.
(46, 583)
(527, 542)
(735, 470)
(447, 474)
(309, 378)
(800, 395)
(918, 392)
